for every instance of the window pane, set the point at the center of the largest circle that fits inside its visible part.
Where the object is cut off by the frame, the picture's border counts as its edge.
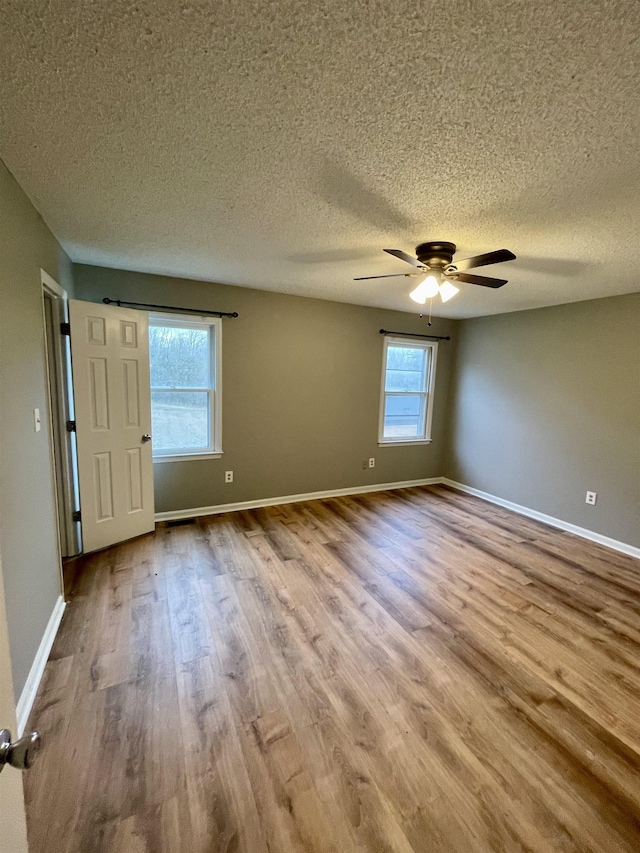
(180, 358)
(404, 416)
(406, 369)
(180, 420)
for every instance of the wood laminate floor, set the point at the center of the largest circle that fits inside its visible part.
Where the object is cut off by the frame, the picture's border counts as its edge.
(413, 671)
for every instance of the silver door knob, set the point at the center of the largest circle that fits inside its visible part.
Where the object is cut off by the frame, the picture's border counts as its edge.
(146, 437)
(21, 754)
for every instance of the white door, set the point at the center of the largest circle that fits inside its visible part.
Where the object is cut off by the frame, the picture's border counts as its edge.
(13, 832)
(110, 364)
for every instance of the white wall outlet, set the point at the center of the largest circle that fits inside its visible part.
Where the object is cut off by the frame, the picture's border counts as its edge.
(37, 423)
(591, 498)
(372, 462)
(228, 476)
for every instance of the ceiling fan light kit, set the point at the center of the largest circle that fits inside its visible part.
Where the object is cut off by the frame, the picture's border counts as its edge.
(426, 289)
(438, 271)
(430, 287)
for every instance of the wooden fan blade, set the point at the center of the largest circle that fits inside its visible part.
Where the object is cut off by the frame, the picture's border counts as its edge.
(398, 253)
(478, 279)
(393, 275)
(498, 257)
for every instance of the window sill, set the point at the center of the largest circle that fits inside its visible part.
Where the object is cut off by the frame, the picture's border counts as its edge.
(186, 457)
(403, 443)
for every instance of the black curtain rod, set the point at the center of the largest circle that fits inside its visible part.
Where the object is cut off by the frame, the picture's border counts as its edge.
(119, 302)
(411, 335)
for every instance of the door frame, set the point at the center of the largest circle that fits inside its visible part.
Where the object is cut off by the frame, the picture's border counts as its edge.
(62, 443)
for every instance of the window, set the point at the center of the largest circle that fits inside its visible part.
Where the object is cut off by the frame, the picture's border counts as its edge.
(408, 377)
(184, 357)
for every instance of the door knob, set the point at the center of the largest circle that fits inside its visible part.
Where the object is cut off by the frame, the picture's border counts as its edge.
(21, 754)
(146, 437)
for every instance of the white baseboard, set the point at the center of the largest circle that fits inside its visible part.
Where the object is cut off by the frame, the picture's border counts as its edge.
(175, 515)
(28, 695)
(615, 544)
(623, 547)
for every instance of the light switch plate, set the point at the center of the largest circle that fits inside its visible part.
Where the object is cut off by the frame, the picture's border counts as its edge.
(37, 423)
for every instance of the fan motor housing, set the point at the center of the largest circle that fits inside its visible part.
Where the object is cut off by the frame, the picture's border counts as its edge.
(435, 254)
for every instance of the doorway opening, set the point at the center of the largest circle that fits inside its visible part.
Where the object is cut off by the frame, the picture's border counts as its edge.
(61, 414)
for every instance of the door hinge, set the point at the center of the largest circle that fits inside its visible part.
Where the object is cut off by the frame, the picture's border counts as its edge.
(65, 329)
(71, 426)
(76, 515)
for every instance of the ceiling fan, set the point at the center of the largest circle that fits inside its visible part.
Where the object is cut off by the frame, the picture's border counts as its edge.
(437, 270)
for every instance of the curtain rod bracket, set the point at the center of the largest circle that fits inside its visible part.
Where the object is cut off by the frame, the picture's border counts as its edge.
(120, 302)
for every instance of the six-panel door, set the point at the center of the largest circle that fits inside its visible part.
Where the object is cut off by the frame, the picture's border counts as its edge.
(110, 358)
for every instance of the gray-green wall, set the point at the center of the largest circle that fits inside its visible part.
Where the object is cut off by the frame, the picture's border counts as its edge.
(301, 388)
(546, 405)
(28, 535)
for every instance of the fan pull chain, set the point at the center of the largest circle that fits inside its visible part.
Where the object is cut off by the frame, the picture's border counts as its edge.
(422, 315)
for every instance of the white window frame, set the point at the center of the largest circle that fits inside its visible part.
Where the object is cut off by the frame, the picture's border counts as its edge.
(430, 378)
(214, 327)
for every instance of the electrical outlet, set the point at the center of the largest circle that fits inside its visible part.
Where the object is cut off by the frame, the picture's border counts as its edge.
(591, 498)
(228, 476)
(372, 462)
(365, 464)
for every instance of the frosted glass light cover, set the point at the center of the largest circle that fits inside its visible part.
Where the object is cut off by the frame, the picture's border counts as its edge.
(425, 290)
(448, 290)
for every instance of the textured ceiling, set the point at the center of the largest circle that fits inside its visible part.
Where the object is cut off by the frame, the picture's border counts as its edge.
(284, 144)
